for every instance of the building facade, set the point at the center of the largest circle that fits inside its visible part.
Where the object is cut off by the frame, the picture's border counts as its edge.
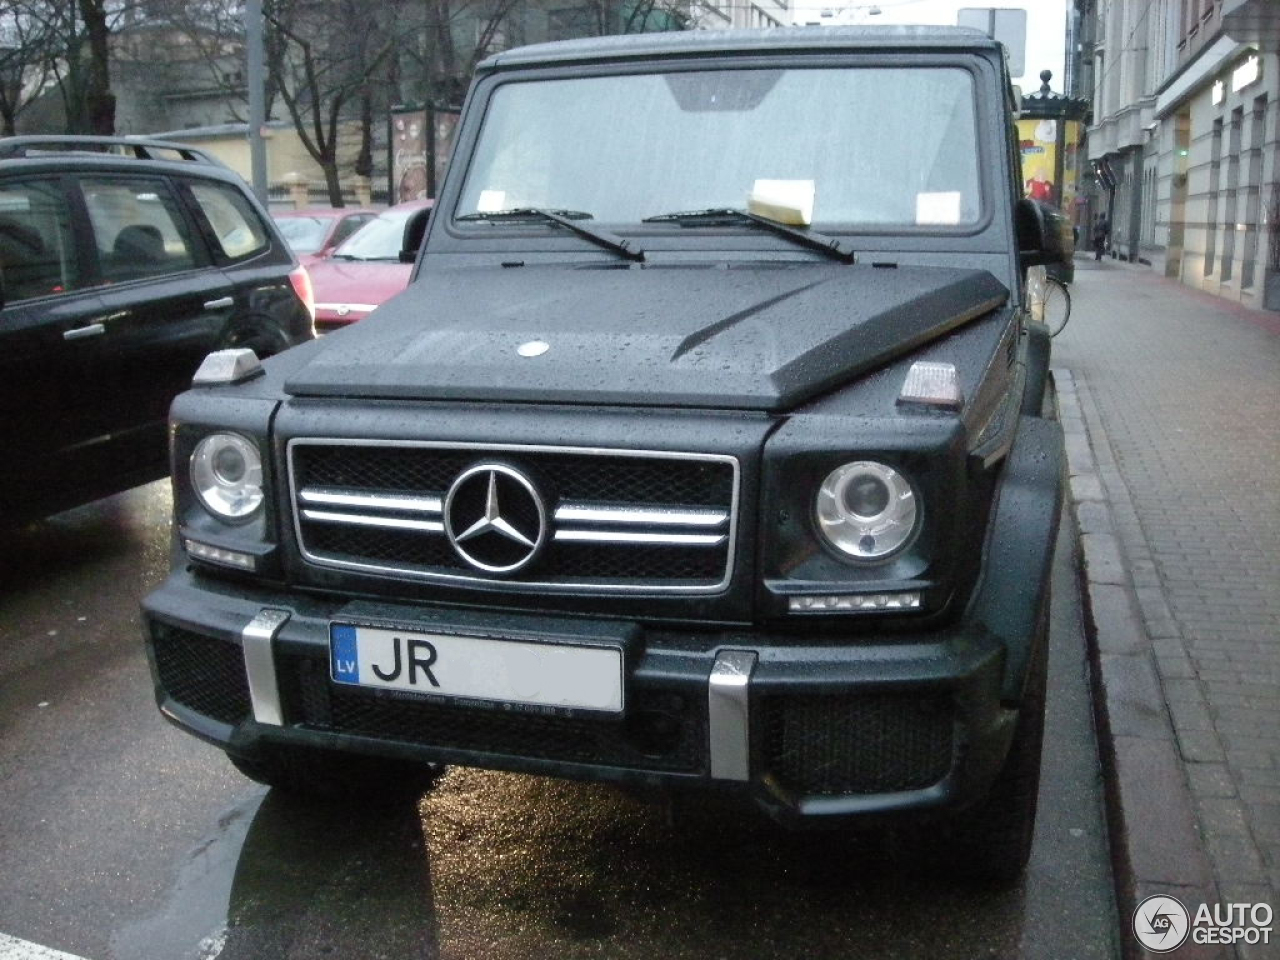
(1185, 139)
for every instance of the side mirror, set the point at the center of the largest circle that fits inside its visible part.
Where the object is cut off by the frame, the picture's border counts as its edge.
(1044, 234)
(414, 231)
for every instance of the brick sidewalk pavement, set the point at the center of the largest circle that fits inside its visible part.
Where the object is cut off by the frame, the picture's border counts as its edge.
(1186, 388)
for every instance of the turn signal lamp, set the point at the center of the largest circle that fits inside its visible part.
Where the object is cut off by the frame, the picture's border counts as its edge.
(934, 384)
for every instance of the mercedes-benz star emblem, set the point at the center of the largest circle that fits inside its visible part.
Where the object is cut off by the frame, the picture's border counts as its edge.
(495, 518)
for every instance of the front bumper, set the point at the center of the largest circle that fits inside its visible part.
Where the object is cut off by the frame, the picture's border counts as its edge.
(808, 730)
(812, 728)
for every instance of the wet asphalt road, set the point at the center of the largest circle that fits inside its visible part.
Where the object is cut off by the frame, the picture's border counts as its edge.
(122, 838)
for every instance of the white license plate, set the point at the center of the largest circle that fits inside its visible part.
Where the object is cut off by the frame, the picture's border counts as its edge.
(511, 671)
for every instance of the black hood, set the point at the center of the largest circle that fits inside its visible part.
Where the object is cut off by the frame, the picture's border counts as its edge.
(751, 337)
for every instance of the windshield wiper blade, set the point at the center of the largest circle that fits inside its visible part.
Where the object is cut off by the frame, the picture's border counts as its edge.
(567, 219)
(806, 238)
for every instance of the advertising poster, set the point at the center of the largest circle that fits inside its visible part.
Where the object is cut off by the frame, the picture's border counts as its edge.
(408, 155)
(1071, 167)
(1038, 140)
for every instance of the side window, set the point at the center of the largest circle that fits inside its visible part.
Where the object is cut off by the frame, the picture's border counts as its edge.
(37, 250)
(349, 226)
(137, 228)
(235, 223)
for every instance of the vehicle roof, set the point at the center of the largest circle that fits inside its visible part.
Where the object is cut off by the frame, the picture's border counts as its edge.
(82, 160)
(322, 211)
(776, 39)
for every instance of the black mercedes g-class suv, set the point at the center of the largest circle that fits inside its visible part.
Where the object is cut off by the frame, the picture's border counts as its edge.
(705, 449)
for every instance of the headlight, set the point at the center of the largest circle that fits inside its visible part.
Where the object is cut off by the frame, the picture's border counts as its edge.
(226, 472)
(866, 510)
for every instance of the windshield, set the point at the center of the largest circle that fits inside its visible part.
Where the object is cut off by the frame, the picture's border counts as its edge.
(876, 146)
(304, 234)
(379, 239)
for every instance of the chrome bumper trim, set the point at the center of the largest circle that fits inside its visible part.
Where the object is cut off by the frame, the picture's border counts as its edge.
(729, 715)
(256, 639)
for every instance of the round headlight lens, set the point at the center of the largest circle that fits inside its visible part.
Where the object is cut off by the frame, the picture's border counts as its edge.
(866, 510)
(226, 472)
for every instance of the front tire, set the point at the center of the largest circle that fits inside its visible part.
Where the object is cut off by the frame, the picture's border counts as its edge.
(991, 841)
(322, 774)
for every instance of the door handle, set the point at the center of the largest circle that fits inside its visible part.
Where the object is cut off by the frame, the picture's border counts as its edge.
(220, 304)
(83, 333)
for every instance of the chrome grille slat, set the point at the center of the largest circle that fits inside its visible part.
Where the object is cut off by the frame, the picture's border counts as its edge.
(635, 536)
(407, 503)
(587, 513)
(364, 520)
(618, 520)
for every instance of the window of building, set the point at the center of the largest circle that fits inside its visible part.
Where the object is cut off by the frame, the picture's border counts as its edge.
(1253, 191)
(1211, 210)
(1231, 216)
(570, 23)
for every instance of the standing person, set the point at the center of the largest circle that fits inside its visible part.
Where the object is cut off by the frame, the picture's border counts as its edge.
(1101, 234)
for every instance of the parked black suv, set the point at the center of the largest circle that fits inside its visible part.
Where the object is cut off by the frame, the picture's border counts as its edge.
(119, 272)
(705, 449)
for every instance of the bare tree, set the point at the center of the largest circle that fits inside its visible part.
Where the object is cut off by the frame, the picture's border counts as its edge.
(71, 42)
(327, 58)
(24, 60)
(213, 32)
(99, 101)
(461, 33)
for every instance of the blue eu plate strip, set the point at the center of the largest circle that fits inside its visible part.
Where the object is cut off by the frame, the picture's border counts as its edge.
(342, 651)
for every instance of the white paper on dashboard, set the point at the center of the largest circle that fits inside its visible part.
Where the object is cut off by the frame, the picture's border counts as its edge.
(938, 209)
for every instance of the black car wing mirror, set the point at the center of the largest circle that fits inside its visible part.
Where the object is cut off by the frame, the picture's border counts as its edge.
(1043, 233)
(414, 231)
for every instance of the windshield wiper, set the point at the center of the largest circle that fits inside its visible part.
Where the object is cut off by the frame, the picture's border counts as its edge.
(805, 238)
(565, 218)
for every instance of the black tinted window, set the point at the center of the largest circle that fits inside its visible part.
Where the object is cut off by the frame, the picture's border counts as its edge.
(137, 228)
(239, 231)
(37, 254)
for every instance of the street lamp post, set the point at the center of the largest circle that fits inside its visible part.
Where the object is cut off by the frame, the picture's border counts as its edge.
(256, 76)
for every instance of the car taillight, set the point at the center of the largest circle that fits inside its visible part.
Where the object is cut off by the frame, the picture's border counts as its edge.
(301, 281)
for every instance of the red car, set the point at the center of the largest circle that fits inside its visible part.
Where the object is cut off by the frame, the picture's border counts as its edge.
(364, 271)
(315, 232)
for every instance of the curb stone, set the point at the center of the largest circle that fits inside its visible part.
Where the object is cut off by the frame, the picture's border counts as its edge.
(1156, 846)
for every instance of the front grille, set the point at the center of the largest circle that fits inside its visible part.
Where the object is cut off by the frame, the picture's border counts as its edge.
(857, 744)
(204, 674)
(659, 732)
(611, 519)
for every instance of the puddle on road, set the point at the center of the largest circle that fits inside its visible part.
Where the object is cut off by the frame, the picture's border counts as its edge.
(528, 867)
(195, 918)
(284, 879)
